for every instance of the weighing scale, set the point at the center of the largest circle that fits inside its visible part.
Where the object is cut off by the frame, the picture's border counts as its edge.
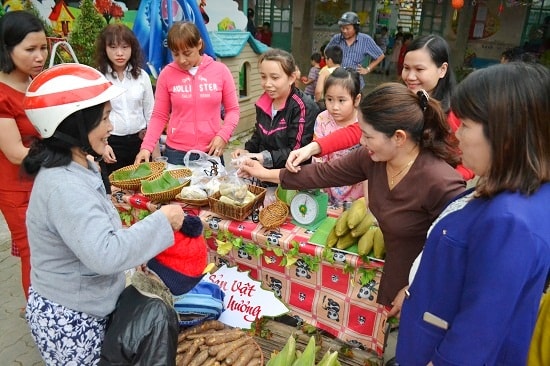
(309, 208)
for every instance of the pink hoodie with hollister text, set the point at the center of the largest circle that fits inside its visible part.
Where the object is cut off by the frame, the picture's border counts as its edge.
(191, 105)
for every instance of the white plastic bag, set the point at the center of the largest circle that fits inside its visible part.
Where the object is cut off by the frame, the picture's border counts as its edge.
(205, 165)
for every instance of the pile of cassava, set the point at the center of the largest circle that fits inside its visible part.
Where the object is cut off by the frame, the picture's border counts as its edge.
(214, 343)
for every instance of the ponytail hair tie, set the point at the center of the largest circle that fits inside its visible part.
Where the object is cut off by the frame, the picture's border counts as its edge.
(423, 99)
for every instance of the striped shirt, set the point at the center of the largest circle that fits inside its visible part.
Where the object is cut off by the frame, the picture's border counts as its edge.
(355, 54)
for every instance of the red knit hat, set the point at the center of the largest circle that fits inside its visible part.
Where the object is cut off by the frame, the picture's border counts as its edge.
(181, 266)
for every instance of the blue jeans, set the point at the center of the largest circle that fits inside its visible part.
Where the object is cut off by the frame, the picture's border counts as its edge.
(176, 156)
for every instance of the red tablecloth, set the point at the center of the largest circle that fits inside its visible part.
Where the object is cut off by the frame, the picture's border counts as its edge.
(332, 297)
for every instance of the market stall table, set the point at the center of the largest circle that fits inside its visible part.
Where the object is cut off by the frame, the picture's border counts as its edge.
(334, 291)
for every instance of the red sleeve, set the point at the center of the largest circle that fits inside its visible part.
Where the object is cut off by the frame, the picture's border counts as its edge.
(454, 122)
(342, 139)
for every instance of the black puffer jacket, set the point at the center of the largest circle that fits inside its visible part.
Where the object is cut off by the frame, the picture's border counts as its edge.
(143, 329)
(290, 129)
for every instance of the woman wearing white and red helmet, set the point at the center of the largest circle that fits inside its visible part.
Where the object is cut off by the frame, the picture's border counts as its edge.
(79, 249)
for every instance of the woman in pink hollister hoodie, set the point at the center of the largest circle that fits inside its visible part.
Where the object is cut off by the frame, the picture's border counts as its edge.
(189, 95)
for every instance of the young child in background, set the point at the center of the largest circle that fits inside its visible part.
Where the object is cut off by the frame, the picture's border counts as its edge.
(342, 96)
(333, 57)
(311, 80)
(264, 34)
(323, 62)
(118, 56)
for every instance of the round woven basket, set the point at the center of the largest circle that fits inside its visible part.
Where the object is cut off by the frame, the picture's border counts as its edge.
(192, 202)
(274, 215)
(135, 184)
(171, 193)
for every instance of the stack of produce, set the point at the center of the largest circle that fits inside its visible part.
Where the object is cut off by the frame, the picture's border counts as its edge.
(357, 225)
(213, 343)
(235, 194)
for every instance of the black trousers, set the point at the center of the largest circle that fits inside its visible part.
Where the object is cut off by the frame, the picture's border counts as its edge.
(125, 148)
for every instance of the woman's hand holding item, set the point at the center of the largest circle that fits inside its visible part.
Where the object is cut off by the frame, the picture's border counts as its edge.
(253, 169)
(244, 155)
(296, 157)
(216, 146)
(238, 153)
(142, 156)
(397, 302)
(174, 214)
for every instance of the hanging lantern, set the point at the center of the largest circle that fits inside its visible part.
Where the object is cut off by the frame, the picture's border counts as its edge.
(457, 5)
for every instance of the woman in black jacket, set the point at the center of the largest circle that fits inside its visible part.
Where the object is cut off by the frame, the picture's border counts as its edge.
(285, 116)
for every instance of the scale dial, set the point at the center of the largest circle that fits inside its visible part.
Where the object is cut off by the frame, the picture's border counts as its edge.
(304, 208)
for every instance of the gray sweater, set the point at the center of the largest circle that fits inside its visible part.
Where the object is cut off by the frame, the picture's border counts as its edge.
(79, 249)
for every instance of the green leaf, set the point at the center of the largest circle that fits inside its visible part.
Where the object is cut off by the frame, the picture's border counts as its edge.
(289, 260)
(143, 214)
(223, 247)
(348, 268)
(366, 275)
(278, 251)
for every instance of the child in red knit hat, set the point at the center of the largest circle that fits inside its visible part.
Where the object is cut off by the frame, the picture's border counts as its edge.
(181, 266)
(144, 327)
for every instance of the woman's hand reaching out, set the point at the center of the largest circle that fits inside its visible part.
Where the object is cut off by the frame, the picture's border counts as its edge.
(237, 153)
(296, 157)
(241, 155)
(142, 156)
(253, 169)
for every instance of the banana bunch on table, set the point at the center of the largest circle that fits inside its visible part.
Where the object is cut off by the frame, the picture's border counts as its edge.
(358, 225)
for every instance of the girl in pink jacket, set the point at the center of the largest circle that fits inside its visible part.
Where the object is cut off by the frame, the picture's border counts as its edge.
(189, 95)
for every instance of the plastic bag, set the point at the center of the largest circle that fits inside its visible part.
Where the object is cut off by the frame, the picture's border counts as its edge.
(205, 165)
(234, 190)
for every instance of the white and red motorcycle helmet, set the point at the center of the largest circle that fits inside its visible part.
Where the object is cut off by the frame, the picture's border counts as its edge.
(61, 90)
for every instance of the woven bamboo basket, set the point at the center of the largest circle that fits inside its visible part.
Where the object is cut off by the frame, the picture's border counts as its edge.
(238, 213)
(274, 215)
(135, 184)
(192, 202)
(171, 193)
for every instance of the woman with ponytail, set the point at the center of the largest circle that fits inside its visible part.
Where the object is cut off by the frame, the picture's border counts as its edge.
(406, 155)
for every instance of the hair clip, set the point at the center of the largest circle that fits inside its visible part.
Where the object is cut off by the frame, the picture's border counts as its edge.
(423, 98)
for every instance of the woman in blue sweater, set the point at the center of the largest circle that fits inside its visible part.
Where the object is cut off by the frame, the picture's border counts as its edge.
(79, 249)
(476, 293)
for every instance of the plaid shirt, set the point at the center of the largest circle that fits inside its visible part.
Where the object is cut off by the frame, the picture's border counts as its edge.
(355, 54)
